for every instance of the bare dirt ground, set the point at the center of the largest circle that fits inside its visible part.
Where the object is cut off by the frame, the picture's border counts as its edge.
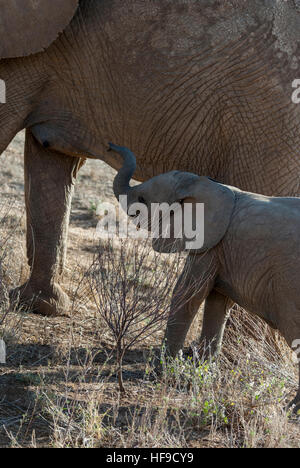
(58, 388)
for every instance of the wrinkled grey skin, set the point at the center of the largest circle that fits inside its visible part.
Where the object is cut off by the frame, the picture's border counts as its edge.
(196, 85)
(251, 254)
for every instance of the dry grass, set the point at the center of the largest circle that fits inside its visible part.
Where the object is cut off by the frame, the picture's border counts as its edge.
(59, 387)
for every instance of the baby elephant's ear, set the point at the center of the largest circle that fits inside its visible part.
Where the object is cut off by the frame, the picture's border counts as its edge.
(30, 26)
(218, 203)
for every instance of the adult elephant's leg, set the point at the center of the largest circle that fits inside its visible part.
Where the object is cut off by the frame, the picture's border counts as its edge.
(49, 178)
(214, 321)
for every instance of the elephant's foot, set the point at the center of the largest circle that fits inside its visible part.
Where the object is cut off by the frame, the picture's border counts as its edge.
(52, 303)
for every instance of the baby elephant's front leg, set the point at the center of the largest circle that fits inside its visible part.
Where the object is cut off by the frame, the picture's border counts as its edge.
(193, 286)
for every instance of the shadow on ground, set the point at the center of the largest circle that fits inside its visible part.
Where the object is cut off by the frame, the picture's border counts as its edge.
(33, 369)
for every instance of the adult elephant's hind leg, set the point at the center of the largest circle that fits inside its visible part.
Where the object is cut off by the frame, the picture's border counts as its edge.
(49, 180)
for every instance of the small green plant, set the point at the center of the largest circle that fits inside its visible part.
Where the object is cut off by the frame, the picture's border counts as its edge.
(93, 207)
(188, 372)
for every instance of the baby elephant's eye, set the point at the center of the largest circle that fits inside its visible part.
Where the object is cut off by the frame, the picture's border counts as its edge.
(142, 200)
(181, 202)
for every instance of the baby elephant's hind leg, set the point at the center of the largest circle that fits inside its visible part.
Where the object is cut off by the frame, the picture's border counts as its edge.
(214, 321)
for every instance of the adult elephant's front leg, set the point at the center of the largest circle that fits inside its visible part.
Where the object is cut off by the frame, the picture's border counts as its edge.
(49, 178)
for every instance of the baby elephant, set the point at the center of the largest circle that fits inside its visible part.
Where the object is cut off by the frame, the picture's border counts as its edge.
(250, 254)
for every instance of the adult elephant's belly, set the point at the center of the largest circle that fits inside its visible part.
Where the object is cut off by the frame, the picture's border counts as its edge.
(181, 91)
(211, 97)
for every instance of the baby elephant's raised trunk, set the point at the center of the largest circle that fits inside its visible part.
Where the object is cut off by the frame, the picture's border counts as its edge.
(122, 179)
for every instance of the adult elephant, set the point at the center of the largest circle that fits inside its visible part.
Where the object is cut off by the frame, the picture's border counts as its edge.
(198, 85)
